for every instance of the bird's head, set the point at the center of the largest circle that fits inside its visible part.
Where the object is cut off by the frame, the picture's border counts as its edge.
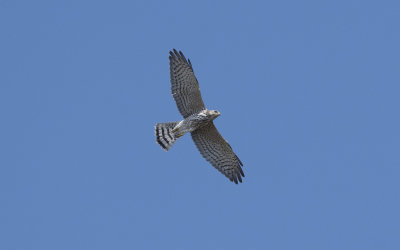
(213, 113)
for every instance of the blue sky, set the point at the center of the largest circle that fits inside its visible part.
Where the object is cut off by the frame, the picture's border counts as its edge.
(309, 97)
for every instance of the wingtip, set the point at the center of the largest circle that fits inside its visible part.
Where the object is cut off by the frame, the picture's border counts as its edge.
(240, 162)
(235, 179)
(175, 54)
(178, 56)
(182, 55)
(240, 178)
(241, 171)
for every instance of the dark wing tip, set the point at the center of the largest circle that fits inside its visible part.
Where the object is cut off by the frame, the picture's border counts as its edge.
(240, 166)
(236, 173)
(174, 54)
(240, 162)
(241, 171)
(180, 57)
(235, 179)
(240, 178)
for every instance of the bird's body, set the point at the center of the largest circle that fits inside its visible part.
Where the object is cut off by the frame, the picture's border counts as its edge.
(197, 120)
(168, 133)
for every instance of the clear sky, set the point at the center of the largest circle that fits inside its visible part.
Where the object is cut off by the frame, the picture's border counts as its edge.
(309, 98)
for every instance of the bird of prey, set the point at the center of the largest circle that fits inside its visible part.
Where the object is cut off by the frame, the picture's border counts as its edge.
(197, 120)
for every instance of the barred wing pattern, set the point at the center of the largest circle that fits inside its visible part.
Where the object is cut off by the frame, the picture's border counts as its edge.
(184, 86)
(218, 152)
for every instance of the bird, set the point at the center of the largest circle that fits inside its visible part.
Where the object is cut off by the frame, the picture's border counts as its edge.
(197, 120)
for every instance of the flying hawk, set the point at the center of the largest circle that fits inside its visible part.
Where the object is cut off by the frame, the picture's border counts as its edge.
(197, 120)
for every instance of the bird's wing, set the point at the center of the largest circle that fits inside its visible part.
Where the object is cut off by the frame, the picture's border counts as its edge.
(184, 86)
(218, 152)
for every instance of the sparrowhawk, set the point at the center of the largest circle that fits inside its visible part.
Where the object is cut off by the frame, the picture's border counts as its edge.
(197, 120)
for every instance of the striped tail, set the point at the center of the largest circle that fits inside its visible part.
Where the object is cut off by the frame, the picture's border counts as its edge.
(164, 135)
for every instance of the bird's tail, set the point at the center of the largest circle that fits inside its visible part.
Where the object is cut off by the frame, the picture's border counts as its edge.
(164, 135)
